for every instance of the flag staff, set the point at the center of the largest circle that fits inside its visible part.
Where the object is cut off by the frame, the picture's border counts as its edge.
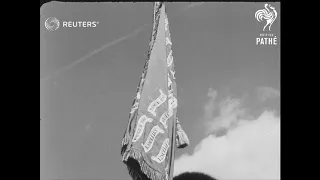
(173, 144)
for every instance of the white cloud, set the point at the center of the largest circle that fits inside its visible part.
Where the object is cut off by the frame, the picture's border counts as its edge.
(249, 150)
(210, 105)
(265, 93)
(230, 112)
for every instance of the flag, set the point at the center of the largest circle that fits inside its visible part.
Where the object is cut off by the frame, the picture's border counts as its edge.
(153, 129)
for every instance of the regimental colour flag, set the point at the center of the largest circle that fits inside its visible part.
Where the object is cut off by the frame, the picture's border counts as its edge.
(153, 129)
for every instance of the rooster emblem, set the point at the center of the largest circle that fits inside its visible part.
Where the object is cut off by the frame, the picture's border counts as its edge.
(266, 14)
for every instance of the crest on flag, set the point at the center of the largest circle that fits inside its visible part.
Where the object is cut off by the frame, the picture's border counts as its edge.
(153, 130)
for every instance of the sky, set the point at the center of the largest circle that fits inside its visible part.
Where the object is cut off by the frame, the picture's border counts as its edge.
(228, 88)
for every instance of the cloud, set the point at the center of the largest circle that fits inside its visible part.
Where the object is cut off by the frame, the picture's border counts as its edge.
(211, 105)
(230, 111)
(249, 149)
(265, 93)
(212, 93)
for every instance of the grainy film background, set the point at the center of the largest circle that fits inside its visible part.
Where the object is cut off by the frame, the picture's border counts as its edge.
(228, 88)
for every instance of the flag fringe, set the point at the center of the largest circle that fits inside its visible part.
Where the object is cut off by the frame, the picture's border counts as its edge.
(144, 167)
(125, 140)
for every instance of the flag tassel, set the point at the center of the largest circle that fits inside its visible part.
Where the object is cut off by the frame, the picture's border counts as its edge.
(182, 138)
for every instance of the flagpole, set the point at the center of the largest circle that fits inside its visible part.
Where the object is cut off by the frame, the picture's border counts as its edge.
(173, 143)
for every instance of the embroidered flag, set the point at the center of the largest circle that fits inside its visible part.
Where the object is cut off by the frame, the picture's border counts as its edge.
(153, 129)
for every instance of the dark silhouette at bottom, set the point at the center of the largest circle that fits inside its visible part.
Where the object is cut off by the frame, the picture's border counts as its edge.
(137, 174)
(135, 170)
(193, 176)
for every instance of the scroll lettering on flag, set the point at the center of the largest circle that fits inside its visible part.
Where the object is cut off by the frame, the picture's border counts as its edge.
(153, 131)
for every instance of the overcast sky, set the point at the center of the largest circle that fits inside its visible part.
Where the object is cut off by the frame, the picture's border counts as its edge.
(89, 76)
